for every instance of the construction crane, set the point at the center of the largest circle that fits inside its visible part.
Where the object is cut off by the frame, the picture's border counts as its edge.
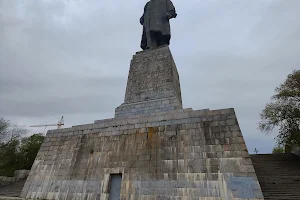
(59, 124)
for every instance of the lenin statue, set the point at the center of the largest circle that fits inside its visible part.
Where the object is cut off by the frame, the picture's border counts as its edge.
(156, 25)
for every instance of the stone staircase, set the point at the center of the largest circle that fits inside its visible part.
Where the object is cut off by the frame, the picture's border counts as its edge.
(278, 175)
(12, 190)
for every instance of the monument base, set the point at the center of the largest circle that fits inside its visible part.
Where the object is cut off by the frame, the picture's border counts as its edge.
(180, 154)
(153, 84)
(148, 107)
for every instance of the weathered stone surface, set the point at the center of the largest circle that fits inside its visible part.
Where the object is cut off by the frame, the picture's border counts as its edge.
(181, 154)
(296, 150)
(18, 174)
(153, 84)
(10, 198)
(163, 151)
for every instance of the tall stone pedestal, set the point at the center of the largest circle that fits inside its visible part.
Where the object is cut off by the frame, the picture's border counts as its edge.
(163, 152)
(153, 84)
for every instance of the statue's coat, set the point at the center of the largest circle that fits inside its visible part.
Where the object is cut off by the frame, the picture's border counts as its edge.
(155, 18)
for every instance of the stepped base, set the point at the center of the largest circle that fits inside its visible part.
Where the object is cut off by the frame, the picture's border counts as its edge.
(182, 153)
(148, 107)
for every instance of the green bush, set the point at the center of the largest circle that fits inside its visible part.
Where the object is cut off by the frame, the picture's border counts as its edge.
(278, 149)
(9, 157)
(19, 154)
(29, 149)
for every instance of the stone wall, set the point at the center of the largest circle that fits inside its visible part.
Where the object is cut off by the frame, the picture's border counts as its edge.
(296, 150)
(176, 155)
(5, 180)
(152, 75)
(10, 198)
(148, 107)
(18, 174)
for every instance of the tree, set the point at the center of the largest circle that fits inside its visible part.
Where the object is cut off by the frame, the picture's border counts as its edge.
(284, 112)
(10, 158)
(278, 149)
(10, 131)
(4, 124)
(16, 150)
(29, 149)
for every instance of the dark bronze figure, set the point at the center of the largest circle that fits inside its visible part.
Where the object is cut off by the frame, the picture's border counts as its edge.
(156, 25)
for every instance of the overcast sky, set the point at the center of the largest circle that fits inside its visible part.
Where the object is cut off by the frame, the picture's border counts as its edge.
(71, 57)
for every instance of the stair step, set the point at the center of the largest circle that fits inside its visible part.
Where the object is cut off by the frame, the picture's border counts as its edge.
(278, 175)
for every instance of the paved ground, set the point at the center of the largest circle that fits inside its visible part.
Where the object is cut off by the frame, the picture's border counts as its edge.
(13, 190)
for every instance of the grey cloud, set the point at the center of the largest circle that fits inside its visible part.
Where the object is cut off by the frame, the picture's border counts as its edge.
(44, 97)
(72, 58)
(59, 106)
